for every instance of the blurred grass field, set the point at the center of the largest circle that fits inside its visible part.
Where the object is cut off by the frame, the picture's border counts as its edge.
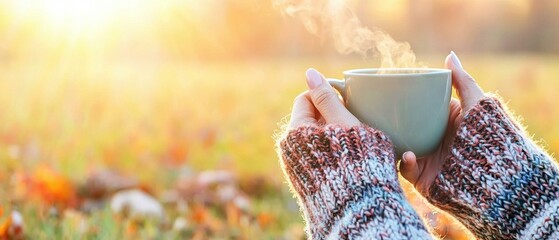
(157, 121)
(179, 101)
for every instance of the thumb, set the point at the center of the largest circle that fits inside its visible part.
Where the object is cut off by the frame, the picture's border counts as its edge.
(468, 90)
(409, 168)
(326, 100)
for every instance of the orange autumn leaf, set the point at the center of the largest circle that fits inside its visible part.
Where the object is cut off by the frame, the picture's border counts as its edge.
(265, 219)
(4, 227)
(53, 187)
(178, 153)
(202, 217)
(199, 215)
(46, 185)
(12, 227)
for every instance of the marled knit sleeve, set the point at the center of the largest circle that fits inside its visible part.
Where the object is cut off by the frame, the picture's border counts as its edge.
(346, 184)
(496, 181)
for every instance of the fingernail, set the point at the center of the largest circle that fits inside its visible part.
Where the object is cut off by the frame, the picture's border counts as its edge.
(404, 156)
(455, 59)
(314, 78)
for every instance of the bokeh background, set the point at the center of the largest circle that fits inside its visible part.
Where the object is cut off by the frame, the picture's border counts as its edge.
(172, 106)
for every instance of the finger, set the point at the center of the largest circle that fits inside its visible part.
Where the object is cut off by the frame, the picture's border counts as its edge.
(466, 87)
(321, 121)
(303, 112)
(455, 106)
(326, 100)
(409, 168)
(455, 109)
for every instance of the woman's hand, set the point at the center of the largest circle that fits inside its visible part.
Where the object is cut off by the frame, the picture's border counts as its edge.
(343, 172)
(320, 105)
(421, 172)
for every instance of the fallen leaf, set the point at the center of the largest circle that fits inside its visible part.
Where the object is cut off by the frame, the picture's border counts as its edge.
(178, 153)
(265, 219)
(226, 193)
(102, 183)
(215, 177)
(199, 214)
(136, 204)
(46, 185)
(4, 227)
(258, 185)
(12, 228)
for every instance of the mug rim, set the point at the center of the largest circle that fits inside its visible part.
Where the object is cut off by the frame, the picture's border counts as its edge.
(374, 71)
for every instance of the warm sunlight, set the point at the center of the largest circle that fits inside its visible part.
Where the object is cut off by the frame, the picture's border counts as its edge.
(179, 119)
(87, 28)
(86, 14)
(81, 16)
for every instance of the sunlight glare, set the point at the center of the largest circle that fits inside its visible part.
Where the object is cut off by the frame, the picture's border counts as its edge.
(80, 15)
(87, 14)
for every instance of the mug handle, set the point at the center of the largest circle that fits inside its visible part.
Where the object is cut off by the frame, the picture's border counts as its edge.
(338, 85)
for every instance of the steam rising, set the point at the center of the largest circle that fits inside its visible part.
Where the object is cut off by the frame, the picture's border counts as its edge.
(333, 17)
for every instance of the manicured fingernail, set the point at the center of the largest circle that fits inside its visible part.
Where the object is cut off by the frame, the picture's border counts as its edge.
(314, 78)
(455, 59)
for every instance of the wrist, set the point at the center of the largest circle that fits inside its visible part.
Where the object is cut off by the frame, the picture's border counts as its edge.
(345, 180)
(312, 155)
(495, 178)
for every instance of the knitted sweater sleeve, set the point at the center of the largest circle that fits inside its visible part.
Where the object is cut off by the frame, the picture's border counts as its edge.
(496, 181)
(346, 183)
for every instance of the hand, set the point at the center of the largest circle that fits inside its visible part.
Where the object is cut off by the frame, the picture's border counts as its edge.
(319, 105)
(421, 172)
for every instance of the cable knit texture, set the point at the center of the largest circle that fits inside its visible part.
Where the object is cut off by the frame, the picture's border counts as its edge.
(496, 181)
(346, 183)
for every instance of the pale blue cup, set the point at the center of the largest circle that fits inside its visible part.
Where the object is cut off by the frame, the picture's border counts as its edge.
(410, 105)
